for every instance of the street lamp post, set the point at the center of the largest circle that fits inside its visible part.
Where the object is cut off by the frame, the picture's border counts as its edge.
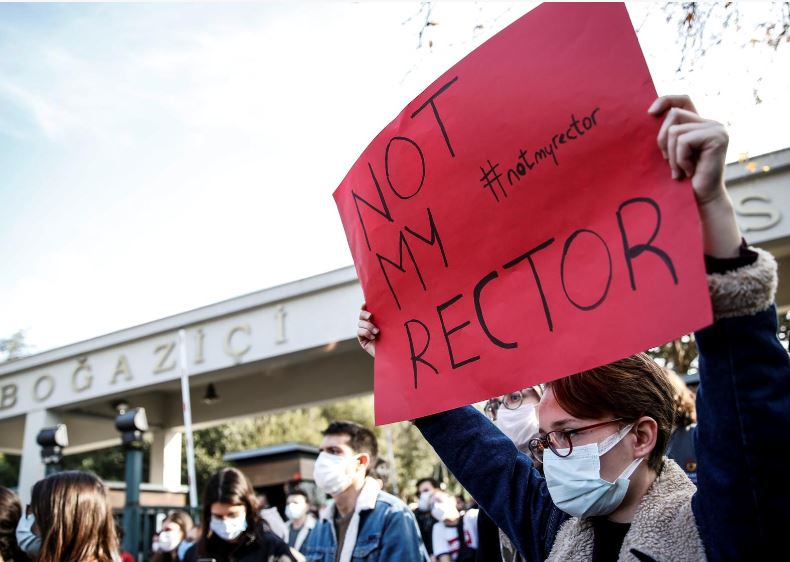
(132, 424)
(52, 441)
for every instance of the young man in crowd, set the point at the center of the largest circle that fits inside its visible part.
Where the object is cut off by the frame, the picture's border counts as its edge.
(455, 532)
(300, 521)
(426, 490)
(363, 522)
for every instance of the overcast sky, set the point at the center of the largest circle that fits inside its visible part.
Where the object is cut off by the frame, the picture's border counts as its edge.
(157, 158)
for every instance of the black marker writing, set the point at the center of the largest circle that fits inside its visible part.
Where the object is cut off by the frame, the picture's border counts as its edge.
(528, 160)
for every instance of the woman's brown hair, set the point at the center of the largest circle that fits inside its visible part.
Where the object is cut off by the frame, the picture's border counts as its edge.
(74, 516)
(685, 401)
(10, 513)
(184, 522)
(182, 519)
(230, 486)
(628, 389)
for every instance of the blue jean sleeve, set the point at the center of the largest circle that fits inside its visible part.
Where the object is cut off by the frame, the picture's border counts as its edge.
(401, 538)
(501, 479)
(743, 410)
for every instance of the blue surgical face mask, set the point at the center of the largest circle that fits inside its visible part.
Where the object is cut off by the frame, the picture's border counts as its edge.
(575, 482)
(182, 549)
(28, 541)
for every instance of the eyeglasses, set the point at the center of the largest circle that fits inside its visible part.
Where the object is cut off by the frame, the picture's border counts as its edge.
(512, 401)
(559, 441)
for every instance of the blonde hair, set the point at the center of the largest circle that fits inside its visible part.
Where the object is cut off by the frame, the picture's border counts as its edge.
(685, 401)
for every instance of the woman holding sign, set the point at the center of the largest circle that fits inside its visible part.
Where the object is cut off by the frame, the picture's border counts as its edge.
(609, 493)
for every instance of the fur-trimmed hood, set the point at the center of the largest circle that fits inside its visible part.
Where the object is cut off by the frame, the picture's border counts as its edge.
(744, 291)
(663, 528)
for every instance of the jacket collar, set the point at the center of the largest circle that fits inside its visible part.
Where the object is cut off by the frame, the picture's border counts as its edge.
(365, 501)
(663, 527)
(309, 522)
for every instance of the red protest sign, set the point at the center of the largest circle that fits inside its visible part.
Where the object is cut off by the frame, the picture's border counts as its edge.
(516, 222)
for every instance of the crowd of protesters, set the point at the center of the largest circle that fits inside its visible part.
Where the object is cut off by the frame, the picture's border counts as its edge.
(70, 519)
(620, 462)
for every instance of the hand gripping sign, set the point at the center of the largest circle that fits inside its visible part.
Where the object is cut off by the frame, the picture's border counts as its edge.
(516, 222)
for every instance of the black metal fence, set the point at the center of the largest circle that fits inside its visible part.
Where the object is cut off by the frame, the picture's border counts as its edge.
(150, 521)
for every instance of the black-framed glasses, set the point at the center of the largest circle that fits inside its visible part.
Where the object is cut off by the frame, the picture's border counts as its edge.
(559, 441)
(512, 401)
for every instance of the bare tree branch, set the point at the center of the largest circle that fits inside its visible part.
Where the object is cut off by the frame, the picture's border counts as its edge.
(14, 348)
(696, 20)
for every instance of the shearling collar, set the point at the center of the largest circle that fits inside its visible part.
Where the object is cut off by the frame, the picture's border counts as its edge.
(663, 528)
(367, 495)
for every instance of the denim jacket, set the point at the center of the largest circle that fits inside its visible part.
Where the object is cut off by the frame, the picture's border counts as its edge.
(387, 532)
(743, 408)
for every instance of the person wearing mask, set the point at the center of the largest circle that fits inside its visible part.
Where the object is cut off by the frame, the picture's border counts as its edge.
(426, 489)
(10, 514)
(69, 520)
(363, 523)
(515, 414)
(455, 532)
(234, 530)
(609, 492)
(300, 521)
(172, 541)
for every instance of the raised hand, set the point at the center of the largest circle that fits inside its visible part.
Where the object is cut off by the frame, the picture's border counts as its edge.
(696, 148)
(367, 331)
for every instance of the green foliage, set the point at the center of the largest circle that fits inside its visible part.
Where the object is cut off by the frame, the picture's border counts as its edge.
(413, 456)
(301, 425)
(107, 463)
(679, 355)
(9, 470)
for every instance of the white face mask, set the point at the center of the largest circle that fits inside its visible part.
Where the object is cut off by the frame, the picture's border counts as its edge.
(230, 528)
(520, 425)
(445, 511)
(28, 541)
(295, 510)
(168, 541)
(331, 472)
(424, 503)
(575, 482)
